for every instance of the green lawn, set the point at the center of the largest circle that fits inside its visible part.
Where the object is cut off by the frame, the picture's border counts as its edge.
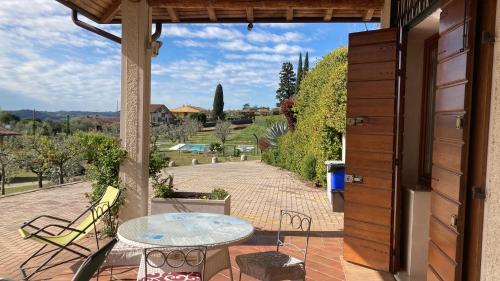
(22, 188)
(238, 136)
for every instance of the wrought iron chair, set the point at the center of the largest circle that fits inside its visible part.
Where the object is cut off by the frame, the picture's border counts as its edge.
(93, 263)
(275, 265)
(173, 263)
(63, 234)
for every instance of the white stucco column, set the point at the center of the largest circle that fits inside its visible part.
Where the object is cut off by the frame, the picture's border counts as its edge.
(135, 100)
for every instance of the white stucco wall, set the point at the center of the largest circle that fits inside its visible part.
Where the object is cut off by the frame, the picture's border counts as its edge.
(490, 266)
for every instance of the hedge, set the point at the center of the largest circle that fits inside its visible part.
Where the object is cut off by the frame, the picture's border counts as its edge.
(320, 107)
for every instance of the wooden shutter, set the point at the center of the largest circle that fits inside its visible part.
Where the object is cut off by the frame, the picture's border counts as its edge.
(369, 212)
(451, 138)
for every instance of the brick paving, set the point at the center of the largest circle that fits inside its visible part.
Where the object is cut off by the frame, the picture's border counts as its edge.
(258, 192)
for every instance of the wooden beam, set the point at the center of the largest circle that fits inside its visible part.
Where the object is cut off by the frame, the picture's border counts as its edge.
(275, 4)
(172, 14)
(249, 14)
(211, 14)
(328, 15)
(111, 11)
(369, 15)
(289, 14)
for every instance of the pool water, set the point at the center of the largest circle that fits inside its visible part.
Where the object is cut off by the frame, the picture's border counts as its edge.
(195, 147)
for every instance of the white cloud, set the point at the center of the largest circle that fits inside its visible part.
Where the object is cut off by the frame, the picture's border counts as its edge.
(265, 36)
(206, 32)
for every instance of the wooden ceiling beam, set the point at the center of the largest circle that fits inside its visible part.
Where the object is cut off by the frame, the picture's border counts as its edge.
(111, 11)
(173, 14)
(289, 14)
(328, 15)
(249, 14)
(368, 15)
(274, 4)
(211, 14)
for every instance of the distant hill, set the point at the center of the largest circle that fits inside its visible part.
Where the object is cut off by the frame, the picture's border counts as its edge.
(59, 115)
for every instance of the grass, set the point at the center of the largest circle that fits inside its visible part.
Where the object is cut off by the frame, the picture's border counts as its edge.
(236, 137)
(22, 188)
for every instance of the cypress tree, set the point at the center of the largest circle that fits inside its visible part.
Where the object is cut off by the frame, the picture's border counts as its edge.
(68, 130)
(218, 107)
(306, 63)
(299, 73)
(287, 83)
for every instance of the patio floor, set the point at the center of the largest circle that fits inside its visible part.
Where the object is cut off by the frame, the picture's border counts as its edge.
(258, 192)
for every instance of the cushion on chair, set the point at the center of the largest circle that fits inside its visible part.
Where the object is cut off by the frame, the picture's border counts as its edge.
(123, 254)
(173, 276)
(269, 266)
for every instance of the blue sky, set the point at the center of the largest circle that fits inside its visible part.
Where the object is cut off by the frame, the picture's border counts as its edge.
(48, 63)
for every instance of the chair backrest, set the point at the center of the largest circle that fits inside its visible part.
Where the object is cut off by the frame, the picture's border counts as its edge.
(92, 264)
(295, 223)
(99, 210)
(174, 259)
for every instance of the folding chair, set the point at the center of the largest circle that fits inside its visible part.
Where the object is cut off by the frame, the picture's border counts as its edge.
(93, 263)
(66, 233)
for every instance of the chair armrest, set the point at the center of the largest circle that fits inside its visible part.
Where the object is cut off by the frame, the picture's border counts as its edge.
(48, 217)
(43, 230)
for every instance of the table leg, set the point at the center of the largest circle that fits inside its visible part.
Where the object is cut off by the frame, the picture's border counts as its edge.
(229, 263)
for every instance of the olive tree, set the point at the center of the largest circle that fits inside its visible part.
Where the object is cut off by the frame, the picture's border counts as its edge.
(62, 155)
(31, 156)
(222, 131)
(7, 161)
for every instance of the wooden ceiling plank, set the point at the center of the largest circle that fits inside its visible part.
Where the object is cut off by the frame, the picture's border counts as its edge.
(289, 14)
(211, 14)
(369, 15)
(111, 11)
(173, 14)
(249, 14)
(328, 15)
(275, 4)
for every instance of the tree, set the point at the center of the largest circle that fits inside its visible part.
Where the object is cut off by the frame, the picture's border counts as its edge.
(306, 64)
(246, 106)
(199, 116)
(7, 161)
(62, 155)
(218, 107)
(222, 131)
(7, 118)
(299, 73)
(287, 82)
(31, 158)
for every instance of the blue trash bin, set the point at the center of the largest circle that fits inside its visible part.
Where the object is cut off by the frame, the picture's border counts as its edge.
(336, 175)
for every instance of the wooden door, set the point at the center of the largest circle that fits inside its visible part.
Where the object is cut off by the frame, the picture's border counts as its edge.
(369, 209)
(451, 139)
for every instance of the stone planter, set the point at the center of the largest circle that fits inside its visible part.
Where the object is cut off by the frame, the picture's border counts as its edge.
(183, 204)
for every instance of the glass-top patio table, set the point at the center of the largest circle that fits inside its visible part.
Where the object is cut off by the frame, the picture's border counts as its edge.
(216, 232)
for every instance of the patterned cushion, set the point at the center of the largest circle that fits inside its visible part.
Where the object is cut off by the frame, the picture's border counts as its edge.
(173, 276)
(269, 266)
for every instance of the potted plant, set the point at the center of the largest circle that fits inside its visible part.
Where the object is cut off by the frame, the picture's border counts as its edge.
(167, 200)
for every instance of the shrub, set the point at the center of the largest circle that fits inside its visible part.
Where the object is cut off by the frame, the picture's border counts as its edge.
(215, 147)
(276, 130)
(218, 194)
(286, 108)
(163, 187)
(271, 156)
(309, 167)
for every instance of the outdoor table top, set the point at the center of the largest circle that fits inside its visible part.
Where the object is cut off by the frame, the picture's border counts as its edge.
(185, 229)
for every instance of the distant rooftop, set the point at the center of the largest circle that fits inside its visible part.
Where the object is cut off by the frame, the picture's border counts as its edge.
(188, 109)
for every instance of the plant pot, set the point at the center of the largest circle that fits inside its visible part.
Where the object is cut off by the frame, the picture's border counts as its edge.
(185, 203)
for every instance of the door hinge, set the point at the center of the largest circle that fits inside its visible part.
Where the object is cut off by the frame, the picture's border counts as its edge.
(478, 193)
(487, 37)
(353, 179)
(353, 121)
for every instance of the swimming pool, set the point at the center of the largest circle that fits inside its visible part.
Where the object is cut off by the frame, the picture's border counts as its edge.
(194, 147)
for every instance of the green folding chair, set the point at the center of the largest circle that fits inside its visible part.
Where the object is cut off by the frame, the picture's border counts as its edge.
(67, 233)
